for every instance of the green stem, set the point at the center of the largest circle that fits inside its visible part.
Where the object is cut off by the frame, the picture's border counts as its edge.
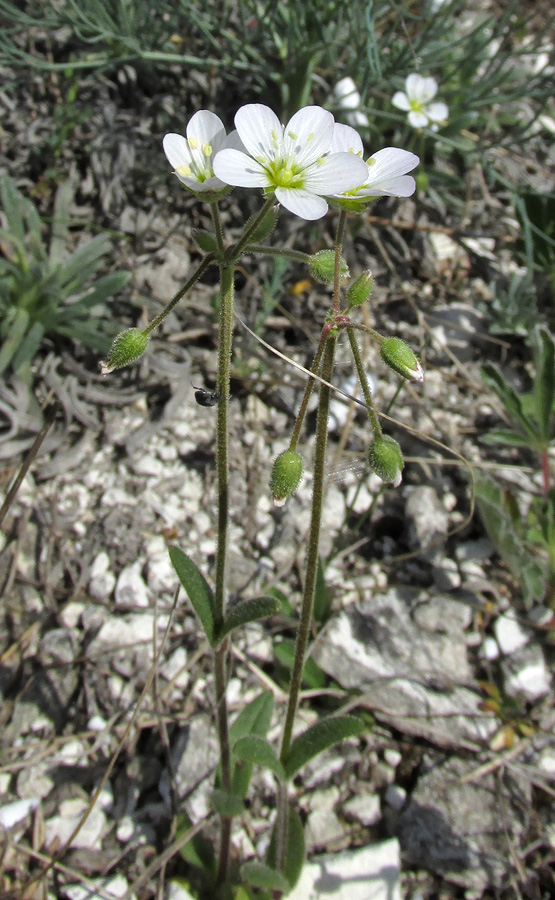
(216, 219)
(338, 244)
(222, 455)
(236, 251)
(308, 389)
(208, 259)
(294, 255)
(374, 421)
(313, 544)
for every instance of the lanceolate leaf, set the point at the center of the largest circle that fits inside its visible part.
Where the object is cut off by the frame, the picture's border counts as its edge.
(256, 750)
(247, 611)
(509, 397)
(254, 719)
(227, 804)
(295, 848)
(319, 737)
(321, 600)
(197, 589)
(261, 876)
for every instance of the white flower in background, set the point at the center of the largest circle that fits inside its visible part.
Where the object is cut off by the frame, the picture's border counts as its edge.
(291, 161)
(386, 174)
(417, 101)
(191, 157)
(347, 98)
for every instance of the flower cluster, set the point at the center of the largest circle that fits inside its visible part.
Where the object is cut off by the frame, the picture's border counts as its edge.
(305, 164)
(416, 100)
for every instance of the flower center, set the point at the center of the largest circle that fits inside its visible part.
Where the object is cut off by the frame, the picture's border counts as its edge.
(416, 106)
(284, 173)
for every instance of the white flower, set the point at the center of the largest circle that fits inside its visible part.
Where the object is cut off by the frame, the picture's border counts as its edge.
(386, 174)
(417, 101)
(347, 97)
(191, 157)
(292, 161)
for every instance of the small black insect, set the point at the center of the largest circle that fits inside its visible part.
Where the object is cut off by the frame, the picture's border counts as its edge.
(206, 398)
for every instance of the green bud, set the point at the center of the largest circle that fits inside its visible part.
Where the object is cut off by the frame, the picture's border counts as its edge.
(205, 240)
(127, 347)
(422, 181)
(360, 290)
(399, 357)
(286, 474)
(386, 459)
(265, 227)
(321, 266)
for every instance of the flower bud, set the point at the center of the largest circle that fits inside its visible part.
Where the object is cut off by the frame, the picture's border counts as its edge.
(286, 474)
(205, 240)
(399, 357)
(127, 347)
(266, 226)
(360, 290)
(386, 459)
(321, 266)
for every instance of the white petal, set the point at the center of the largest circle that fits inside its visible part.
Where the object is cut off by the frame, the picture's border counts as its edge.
(346, 94)
(391, 162)
(345, 139)
(413, 85)
(302, 203)
(417, 119)
(232, 141)
(437, 112)
(200, 187)
(402, 186)
(337, 173)
(234, 167)
(401, 101)
(177, 150)
(259, 128)
(428, 90)
(357, 118)
(206, 127)
(308, 134)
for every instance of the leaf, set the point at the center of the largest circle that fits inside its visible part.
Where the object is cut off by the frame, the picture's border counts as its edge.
(197, 589)
(254, 719)
(16, 334)
(199, 851)
(313, 676)
(285, 606)
(60, 223)
(294, 850)
(321, 599)
(509, 397)
(256, 750)
(247, 611)
(510, 438)
(261, 876)
(544, 382)
(319, 737)
(28, 346)
(225, 804)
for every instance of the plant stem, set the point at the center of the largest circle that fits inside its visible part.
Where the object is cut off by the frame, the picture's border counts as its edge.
(313, 544)
(374, 421)
(222, 454)
(236, 251)
(337, 246)
(308, 389)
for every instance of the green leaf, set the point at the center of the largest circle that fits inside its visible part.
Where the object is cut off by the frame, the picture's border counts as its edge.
(321, 600)
(225, 804)
(197, 588)
(544, 383)
(510, 438)
(18, 327)
(313, 676)
(256, 750)
(28, 346)
(319, 737)
(509, 397)
(199, 851)
(253, 719)
(247, 611)
(261, 876)
(294, 850)
(60, 223)
(285, 606)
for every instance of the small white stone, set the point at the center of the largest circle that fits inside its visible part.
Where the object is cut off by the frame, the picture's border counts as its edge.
(532, 679)
(130, 588)
(365, 808)
(490, 648)
(71, 613)
(174, 668)
(395, 796)
(175, 891)
(546, 761)
(148, 465)
(114, 887)
(510, 634)
(392, 756)
(100, 565)
(371, 873)
(96, 723)
(125, 829)
(15, 812)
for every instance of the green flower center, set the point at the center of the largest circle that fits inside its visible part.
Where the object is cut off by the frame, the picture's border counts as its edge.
(284, 173)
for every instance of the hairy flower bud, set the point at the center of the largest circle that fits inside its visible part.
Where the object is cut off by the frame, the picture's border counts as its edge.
(321, 266)
(386, 459)
(265, 227)
(399, 357)
(286, 475)
(205, 240)
(127, 347)
(360, 290)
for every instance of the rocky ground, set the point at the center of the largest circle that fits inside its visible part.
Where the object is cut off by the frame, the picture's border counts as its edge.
(445, 796)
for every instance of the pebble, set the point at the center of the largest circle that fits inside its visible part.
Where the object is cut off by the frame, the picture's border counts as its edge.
(101, 580)
(364, 808)
(509, 634)
(395, 796)
(371, 873)
(322, 825)
(15, 812)
(131, 589)
(70, 814)
(526, 673)
(114, 887)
